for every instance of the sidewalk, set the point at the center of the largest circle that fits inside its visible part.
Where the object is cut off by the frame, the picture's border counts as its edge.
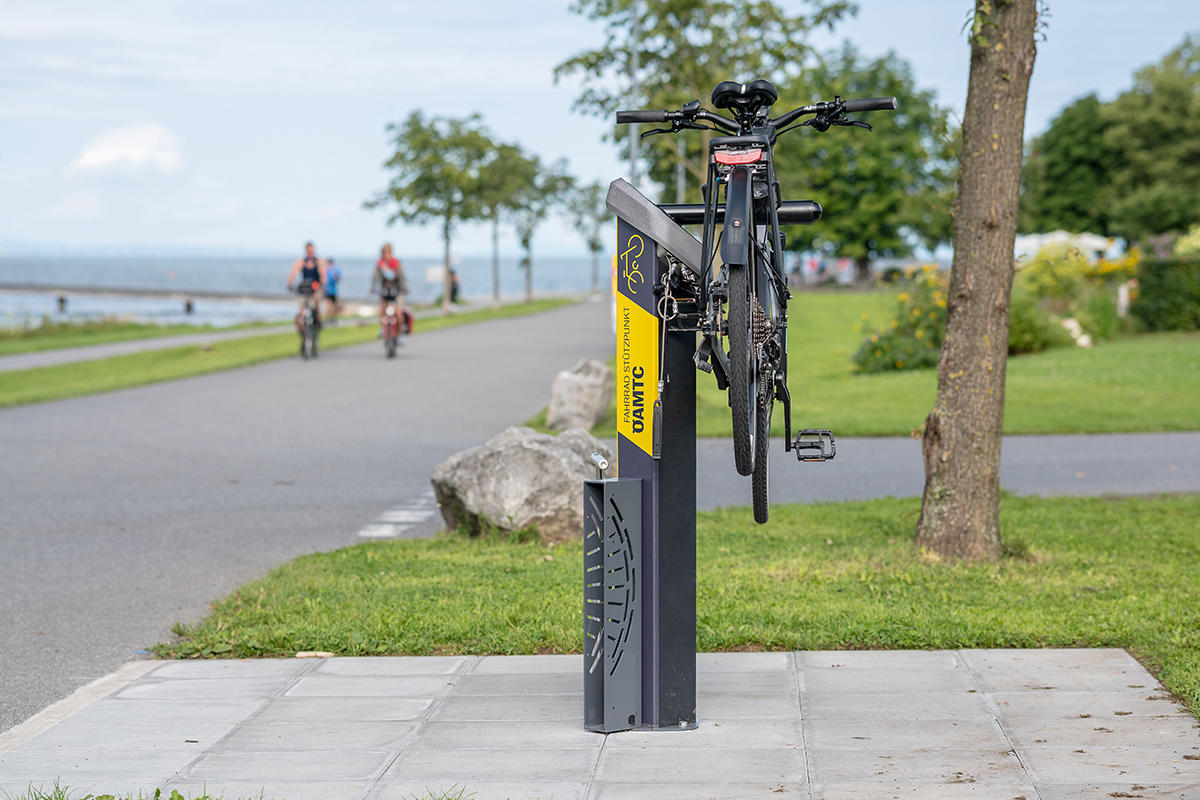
(852, 725)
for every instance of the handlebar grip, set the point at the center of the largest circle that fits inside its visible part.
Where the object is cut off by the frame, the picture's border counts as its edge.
(871, 104)
(645, 115)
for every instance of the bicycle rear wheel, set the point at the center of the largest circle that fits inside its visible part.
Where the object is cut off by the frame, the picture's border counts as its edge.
(741, 367)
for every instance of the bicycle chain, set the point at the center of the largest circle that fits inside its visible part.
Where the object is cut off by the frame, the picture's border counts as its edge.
(760, 325)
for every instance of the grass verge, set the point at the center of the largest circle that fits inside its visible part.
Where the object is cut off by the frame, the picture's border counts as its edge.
(56, 336)
(1089, 572)
(1141, 383)
(19, 387)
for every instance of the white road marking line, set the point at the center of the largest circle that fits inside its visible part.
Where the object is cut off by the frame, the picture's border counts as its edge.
(381, 531)
(406, 515)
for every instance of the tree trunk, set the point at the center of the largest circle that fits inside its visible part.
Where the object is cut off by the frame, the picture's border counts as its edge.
(960, 509)
(446, 266)
(595, 272)
(529, 274)
(496, 259)
(862, 270)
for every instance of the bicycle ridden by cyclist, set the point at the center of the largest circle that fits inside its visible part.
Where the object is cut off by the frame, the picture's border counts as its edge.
(389, 278)
(311, 271)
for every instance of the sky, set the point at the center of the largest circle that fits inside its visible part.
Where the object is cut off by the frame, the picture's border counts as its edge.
(236, 127)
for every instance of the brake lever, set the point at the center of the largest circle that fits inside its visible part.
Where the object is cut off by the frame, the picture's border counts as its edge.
(676, 127)
(653, 131)
(852, 122)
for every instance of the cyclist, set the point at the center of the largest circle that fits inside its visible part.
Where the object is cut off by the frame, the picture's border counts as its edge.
(332, 276)
(311, 270)
(389, 277)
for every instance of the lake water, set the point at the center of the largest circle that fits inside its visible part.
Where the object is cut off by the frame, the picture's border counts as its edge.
(228, 291)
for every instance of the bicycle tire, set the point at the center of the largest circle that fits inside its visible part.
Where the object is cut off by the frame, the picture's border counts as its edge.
(760, 479)
(741, 368)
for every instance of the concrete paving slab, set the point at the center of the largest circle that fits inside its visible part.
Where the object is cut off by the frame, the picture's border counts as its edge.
(874, 735)
(1153, 791)
(909, 705)
(648, 767)
(711, 790)
(868, 680)
(1059, 764)
(510, 735)
(1055, 704)
(528, 665)
(270, 767)
(393, 666)
(304, 710)
(425, 763)
(170, 689)
(930, 765)
(343, 734)
(509, 685)
(485, 790)
(928, 791)
(805, 725)
(1079, 670)
(370, 686)
(1174, 731)
(714, 733)
(534, 707)
(240, 790)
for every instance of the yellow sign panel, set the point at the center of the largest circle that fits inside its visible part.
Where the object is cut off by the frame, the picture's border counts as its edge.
(637, 372)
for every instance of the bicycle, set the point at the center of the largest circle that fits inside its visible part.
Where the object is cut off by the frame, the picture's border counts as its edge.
(744, 299)
(389, 322)
(307, 324)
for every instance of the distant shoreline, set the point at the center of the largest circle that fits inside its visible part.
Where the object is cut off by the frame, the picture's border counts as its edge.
(121, 291)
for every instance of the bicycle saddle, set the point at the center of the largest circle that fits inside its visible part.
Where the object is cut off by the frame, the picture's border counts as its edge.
(756, 94)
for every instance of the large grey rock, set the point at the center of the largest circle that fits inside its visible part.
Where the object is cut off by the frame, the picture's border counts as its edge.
(580, 396)
(518, 479)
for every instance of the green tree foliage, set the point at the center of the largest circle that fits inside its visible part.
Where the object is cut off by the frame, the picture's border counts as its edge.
(883, 191)
(504, 179)
(550, 186)
(1064, 182)
(1154, 129)
(589, 214)
(684, 49)
(437, 176)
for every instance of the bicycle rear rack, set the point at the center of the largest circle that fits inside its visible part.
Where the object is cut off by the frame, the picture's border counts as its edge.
(814, 444)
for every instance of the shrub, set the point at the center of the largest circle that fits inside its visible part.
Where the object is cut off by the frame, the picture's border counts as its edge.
(1030, 328)
(1168, 297)
(914, 337)
(1188, 245)
(1054, 275)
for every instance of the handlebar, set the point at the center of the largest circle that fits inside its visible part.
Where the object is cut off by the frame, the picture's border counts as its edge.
(681, 119)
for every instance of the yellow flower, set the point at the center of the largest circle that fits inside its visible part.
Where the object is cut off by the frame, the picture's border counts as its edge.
(865, 315)
(903, 297)
(874, 337)
(878, 352)
(918, 333)
(899, 365)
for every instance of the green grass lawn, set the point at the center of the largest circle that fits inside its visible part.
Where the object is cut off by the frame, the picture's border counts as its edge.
(18, 387)
(1099, 572)
(1149, 382)
(56, 336)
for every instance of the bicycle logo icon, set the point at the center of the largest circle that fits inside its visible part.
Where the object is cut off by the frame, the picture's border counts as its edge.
(629, 272)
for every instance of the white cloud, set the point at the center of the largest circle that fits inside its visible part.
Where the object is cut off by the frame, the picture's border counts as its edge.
(151, 145)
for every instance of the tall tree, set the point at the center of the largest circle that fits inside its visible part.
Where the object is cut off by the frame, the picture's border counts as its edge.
(1065, 180)
(685, 48)
(590, 215)
(885, 191)
(547, 191)
(1154, 128)
(507, 173)
(437, 167)
(960, 508)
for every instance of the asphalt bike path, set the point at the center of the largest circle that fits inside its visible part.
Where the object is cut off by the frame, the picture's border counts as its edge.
(125, 512)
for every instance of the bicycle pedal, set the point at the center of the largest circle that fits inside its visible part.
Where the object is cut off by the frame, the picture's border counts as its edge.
(814, 444)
